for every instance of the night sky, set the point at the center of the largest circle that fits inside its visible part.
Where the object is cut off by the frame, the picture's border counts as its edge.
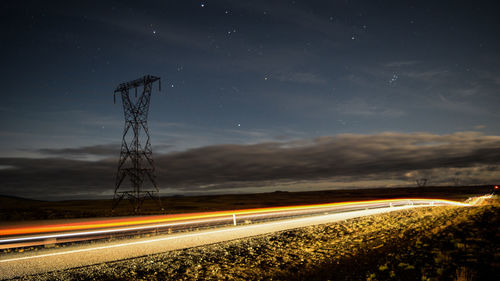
(256, 95)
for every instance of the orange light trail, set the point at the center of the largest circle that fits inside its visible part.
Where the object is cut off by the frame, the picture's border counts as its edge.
(193, 216)
(175, 237)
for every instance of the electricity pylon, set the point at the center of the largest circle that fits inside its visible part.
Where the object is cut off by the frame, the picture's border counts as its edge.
(135, 161)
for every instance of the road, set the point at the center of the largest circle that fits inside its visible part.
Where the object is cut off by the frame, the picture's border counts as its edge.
(77, 255)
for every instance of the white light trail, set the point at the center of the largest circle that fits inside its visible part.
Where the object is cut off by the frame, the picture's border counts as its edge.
(173, 237)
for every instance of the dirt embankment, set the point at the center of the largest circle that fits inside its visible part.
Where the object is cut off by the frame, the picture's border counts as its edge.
(440, 243)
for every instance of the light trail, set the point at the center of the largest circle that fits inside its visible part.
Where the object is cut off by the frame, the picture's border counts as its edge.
(194, 216)
(101, 231)
(183, 221)
(15, 264)
(183, 236)
(479, 199)
(115, 246)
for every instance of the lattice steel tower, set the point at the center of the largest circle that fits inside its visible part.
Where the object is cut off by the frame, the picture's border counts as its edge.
(135, 161)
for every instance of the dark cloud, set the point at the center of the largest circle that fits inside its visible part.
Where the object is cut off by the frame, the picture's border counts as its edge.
(103, 150)
(385, 156)
(344, 155)
(53, 177)
(96, 150)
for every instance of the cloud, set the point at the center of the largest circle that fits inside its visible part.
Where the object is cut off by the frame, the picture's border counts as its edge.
(344, 155)
(448, 104)
(363, 108)
(479, 127)
(92, 153)
(95, 150)
(347, 157)
(5, 167)
(55, 177)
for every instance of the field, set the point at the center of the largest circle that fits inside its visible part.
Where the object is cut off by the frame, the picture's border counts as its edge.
(440, 243)
(14, 209)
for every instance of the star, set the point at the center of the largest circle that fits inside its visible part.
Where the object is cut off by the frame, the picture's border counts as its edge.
(202, 5)
(393, 79)
(239, 125)
(154, 31)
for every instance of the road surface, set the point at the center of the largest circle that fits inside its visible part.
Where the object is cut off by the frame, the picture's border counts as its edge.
(77, 255)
